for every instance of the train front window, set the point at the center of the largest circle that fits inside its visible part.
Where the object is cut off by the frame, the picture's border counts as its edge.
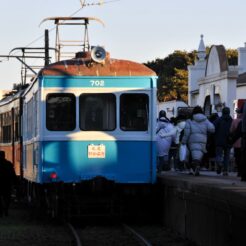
(97, 112)
(60, 112)
(134, 110)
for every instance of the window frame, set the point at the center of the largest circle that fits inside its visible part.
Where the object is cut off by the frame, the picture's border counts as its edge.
(146, 112)
(73, 101)
(115, 112)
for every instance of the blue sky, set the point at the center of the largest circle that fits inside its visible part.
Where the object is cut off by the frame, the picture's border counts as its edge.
(139, 30)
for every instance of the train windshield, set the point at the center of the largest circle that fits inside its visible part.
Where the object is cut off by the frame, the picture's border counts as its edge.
(60, 112)
(97, 112)
(134, 110)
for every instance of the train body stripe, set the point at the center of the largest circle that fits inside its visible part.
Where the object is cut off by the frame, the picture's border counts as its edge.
(97, 82)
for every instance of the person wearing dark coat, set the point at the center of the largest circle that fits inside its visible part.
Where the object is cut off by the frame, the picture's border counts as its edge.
(7, 179)
(222, 146)
(209, 157)
(211, 144)
(237, 144)
(240, 132)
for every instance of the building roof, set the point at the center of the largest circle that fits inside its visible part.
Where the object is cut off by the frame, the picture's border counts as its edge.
(220, 53)
(201, 50)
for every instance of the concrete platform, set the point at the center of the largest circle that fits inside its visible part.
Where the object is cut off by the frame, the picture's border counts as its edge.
(209, 209)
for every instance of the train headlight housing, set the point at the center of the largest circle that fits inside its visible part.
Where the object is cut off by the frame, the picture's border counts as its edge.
(50, 175)
(53, 176)
(98, 54)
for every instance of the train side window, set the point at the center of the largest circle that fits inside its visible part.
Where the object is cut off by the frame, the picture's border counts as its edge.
(30, 117)
(134, 111)
(16, 125)
(97, 112)
(60, 112)
(6, 127)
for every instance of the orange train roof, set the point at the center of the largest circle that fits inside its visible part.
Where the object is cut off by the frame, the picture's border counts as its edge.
(86, 67)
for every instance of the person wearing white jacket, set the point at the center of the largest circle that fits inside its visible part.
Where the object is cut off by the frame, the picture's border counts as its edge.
(175, 133)
(163, 142)
(195, 136)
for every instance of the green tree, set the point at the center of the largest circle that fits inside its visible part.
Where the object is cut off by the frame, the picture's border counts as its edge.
(172, 73)
(232, 56)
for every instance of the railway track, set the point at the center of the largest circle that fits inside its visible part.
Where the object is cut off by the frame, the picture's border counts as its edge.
(23, 227)
(127, 235)
(107, 235)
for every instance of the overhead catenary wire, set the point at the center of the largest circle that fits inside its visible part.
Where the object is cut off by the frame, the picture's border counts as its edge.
(83, 4)
(100, 2)
(42, 36)
(51, 29)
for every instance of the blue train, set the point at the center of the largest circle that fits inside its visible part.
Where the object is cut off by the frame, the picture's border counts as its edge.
(83, 119)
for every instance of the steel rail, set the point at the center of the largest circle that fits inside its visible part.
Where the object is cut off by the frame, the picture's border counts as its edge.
(75, 234)
(137, 235)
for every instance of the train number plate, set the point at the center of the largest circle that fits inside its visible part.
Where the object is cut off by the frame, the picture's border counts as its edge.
(96, 151)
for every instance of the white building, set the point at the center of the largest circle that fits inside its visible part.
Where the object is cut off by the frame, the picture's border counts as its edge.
(212, 83)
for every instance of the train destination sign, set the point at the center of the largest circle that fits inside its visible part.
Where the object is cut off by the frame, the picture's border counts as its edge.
(96, 151)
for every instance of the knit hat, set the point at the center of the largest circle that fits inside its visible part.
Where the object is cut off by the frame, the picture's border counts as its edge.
(162, 113)
(226, 111)
(197, 110)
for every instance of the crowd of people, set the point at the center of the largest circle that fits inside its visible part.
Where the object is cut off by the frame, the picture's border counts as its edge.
(195, 141)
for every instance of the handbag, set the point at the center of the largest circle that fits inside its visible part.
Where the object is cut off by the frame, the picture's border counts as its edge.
(183, 152)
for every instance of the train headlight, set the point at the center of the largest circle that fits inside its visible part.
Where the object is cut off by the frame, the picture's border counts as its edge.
(98, 54)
